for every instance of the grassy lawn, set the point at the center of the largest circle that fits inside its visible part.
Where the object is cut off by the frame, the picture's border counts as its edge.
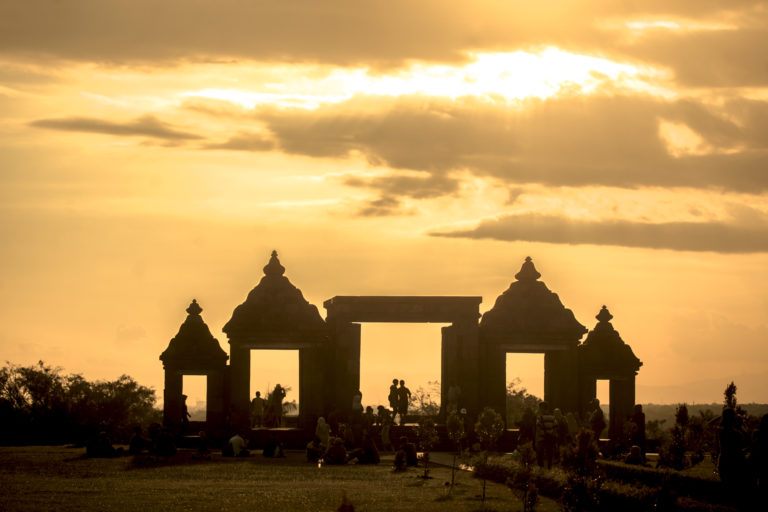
(57, 478)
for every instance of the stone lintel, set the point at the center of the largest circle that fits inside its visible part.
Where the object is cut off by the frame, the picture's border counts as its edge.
(419, 309)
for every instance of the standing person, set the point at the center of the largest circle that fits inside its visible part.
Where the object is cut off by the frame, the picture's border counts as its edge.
(403, 397)
(562, 433)
(638, 428)
(277, 404)
(597, 421)
(323, 432)
(184, 414)
(257, 410)
(393, 397)
(545, 436)
(357, 406)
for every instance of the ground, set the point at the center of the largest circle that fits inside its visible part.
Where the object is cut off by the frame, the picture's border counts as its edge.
(61, 479)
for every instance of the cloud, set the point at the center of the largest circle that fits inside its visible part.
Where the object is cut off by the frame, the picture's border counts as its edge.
(566, 141)
(419, 187)
(743, 234)
(382, 33)
(244, 141)
(146, 126)
(382, 207)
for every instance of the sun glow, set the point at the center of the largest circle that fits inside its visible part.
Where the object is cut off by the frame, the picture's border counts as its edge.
(501, 76)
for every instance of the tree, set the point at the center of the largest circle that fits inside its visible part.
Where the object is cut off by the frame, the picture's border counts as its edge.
(422, 402)
(488, 429)
(518, 400)
(39, 404)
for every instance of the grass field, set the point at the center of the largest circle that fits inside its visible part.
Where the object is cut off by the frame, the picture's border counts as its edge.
(59, 478)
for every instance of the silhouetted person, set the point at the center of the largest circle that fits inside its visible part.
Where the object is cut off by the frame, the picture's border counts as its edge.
(637, 419)
(236, 447)
(336, 453)
(411, 458)
(165, 445)
(272, 448)
(367, 453)
(184, 414)
(635, 456)
(276, 403)
(400, 463)
(203, 451)
(545, 436)
(392, 397)
(257, 410)
(138, 443)
(381, 414)
(403, 397)
(527, 426)
(346, 505)
(597, 421)
(562, 432)
(386, 440)
(315, 450)
(323, 431)
(357, 406)
(101, 446)
(454, 395)
(368, 418)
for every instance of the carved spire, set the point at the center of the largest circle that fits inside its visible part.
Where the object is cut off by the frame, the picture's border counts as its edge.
(274, 268)
(527, 272)
(194, 308)
(604, 315)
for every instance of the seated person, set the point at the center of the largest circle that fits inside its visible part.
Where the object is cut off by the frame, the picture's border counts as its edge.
(336, 453)
(400, 464)
(411, 458)
(202, 446)
(272, 448)
(137, 443)
(236, 447)
(100, 446)
(315, 450)
(634, 456)
(368, 453)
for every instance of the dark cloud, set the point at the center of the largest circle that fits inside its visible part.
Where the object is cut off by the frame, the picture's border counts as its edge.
(382, 33)
(573, 141)
(740, 235)
(244, 142)
(382, 207)
(419, 187)
(146, 126)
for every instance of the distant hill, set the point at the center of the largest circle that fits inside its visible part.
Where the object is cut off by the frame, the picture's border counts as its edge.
(667, 411)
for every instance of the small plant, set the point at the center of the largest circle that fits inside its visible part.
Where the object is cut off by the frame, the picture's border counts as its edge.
(454, 423)
(674, 454)
(427, 439)
(523, 482)
(488, 429)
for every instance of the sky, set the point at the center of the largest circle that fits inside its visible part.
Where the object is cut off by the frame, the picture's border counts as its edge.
(152, 153)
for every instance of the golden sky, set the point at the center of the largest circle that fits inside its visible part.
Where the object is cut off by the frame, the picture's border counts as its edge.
(154, 152)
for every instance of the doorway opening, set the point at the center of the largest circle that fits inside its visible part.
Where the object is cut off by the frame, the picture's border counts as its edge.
(196, 387)
(272, 367)
(405, 351)
(525, 384)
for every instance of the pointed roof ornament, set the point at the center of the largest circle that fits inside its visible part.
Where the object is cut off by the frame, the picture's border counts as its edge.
(604, 315)
(194, 308)
(527, 272)
(274, 268)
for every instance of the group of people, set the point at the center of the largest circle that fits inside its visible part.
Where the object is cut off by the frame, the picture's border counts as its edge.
(549, 430)
(359, 441)
(268, 412)
(399, 399)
